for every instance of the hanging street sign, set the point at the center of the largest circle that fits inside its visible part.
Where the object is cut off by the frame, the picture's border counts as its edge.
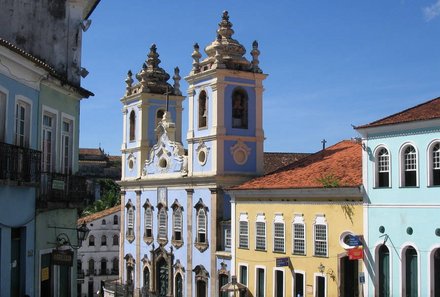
(283, 262)
(356, 253)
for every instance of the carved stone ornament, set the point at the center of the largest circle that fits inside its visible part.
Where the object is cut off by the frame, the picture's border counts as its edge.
(202, 152)
(131, 161)
(129, 234)
(240, 152)
(176, 207)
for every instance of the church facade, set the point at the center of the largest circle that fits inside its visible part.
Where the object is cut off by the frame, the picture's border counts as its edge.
(175, 214)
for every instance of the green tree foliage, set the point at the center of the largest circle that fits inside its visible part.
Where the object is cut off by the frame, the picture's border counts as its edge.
(109, 197)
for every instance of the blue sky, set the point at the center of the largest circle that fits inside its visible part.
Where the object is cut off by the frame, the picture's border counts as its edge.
(330, 63)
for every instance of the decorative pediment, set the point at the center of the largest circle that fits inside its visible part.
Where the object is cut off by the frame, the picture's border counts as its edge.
(147, 204)
(201, 272)
(167, 155)
(176, 205)
(200, 204)
(129, 204)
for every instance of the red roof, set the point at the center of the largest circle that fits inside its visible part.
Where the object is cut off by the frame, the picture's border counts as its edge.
(426, 111)
(337, 166)
(99, 215)
(274, 161)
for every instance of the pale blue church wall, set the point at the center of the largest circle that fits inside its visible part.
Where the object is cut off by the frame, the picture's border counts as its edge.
(132, 106)
(230, 165)
(250, 131)
(130, 248)
(202, 132)
(131, 173)
(15, 90)
(202, 258)
(423, 193)
(199, 168)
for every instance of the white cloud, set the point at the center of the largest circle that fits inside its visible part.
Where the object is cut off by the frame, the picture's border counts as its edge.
(432, 11)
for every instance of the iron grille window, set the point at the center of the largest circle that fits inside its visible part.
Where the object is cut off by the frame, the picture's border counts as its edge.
(320, 240)
(278, 237)
(243, 241)
(299, 241)
(260, 233)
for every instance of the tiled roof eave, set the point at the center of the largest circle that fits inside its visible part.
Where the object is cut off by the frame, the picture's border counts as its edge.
(337, 193)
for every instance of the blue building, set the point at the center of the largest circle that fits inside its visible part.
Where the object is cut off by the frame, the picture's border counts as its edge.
(175, 215)
(401, 171)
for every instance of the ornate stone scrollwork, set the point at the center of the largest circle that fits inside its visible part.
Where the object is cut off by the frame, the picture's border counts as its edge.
(202, 152)
(240, 152)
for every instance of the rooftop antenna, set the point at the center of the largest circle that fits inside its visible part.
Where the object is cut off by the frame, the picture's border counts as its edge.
(323, 143)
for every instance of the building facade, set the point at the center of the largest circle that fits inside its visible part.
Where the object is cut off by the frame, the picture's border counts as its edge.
(175, 215)
(98, 257)
(402, 178)
(291, 228)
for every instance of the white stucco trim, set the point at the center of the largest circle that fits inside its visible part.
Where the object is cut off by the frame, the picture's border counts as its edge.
(296, 271)
(315, 275)
(402, 163)
(256, 279)
(392, 251)
(429, 161)
(430, 266)
(71, 118)
(274, 283)
(28, 101)
(402, 270)
(375, 166)
(6, 92)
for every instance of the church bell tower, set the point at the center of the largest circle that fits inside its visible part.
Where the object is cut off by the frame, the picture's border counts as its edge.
(225, 131)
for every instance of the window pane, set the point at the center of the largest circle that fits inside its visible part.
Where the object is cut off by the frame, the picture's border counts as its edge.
(260, 235)
(243, 235)
(298, 239)
(320, 240)
(260, 282)
(279, 283)
(279, 237)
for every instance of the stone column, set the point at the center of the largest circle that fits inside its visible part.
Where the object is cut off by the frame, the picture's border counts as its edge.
(189, 241)
(138, 243)
(216, 197)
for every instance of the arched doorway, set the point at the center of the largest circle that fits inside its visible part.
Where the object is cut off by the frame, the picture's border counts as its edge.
(162, 278)
(383, 275)
(349, 271)
(411, 285)
(435, 274)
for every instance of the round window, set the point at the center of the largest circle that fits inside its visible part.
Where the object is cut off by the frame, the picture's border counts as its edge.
(130, 164)
(202, 157)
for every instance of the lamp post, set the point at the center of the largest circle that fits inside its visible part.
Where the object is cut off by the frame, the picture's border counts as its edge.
(63, 239)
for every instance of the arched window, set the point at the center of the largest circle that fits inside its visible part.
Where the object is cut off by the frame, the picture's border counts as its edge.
(177, 238)
(435, 164)
(115, 269)
(201, 226)
(201, 279)
(162, 219)
(384, 272)
(148, 223)
(103, 240)
(115, 220)
(115, 239)
(203, 110)
(382, 168)
(320, 236)
(299, 235)
(132, 125)
(409, 166)
(103, 222)
(239, 109)
(91, 240)
(130, 221)
(243, 231)
(278, 234)
(410, 272)
(179, 285)
(91, 268)
(103, 267)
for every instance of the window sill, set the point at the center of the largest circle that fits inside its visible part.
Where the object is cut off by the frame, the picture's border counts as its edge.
(434, 186)
(243, 248)
(381, 188)
(177, 243)
(297, 254)
(260, 250)
(321, 256)
(203, 128)
(279, 252)
(201, 246)
(409, 187)
(148, 240)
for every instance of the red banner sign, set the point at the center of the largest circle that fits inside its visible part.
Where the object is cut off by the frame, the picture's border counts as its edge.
(356, 253)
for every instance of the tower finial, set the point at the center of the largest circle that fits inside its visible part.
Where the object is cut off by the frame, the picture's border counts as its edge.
(255, 52)
(225, 26)
(176, 79)
(196, 58)
(153, 57)
(129, 82)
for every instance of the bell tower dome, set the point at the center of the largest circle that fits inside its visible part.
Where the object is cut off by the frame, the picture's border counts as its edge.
(144, 105)
(225, 131)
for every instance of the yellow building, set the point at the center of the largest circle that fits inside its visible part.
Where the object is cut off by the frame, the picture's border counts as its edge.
(292, 229)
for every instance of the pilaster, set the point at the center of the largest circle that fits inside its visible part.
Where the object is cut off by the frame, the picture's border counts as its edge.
(215, 197)
(138, 243)
(189, 241)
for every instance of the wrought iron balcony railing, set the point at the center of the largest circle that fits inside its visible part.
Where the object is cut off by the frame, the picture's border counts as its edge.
(57, 188)
(19, 164)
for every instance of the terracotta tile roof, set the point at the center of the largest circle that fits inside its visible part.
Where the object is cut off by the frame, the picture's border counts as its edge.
(90, 151)
(425, 111)
(339, 165)
(98, 215)
(40, 63)
(274, 161)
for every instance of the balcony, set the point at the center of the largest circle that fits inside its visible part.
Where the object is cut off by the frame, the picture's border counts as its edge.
(19, 165)
(62, 191)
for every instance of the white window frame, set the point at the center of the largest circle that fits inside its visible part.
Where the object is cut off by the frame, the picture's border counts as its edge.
(403, 164)
(27, 104)
(54, 114)
(315, 275)
(178, 223)
(298, 219)
(260, 220)
(71, 151)
(148, 221)
(377, 166)
(228, 238)
(239, 273)
(274, 283)
(320, 221)
(279, 220)
(202, 229)
(243, 237)
(403, 250)
(430, 162)
(4, 110)
(264, 281)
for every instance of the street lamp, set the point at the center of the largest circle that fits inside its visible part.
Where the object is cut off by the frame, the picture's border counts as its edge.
(63, 239)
